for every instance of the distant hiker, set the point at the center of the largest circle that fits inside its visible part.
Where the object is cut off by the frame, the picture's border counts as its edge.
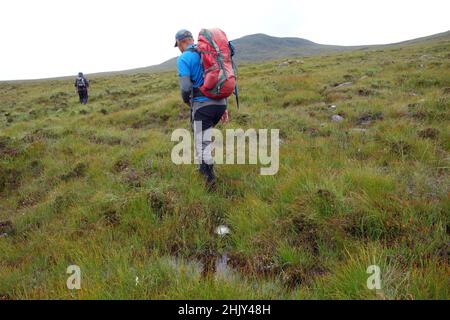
(82, 86)
(205, 93)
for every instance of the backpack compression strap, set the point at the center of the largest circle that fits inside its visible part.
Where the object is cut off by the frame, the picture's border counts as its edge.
(236, 90)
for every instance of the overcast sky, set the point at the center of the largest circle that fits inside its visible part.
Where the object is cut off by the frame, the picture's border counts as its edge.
(48, 38)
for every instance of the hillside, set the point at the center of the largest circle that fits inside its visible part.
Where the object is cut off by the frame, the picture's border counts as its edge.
(94, 186)
(261, 47)
(443, 36)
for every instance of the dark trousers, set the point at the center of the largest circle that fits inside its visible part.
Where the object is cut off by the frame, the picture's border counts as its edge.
(209, 115)
(83, 93)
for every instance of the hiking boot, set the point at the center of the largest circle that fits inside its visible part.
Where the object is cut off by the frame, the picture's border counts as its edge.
(207, 170)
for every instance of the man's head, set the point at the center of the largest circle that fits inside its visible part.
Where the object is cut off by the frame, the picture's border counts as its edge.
(80, 74)
(183, 39)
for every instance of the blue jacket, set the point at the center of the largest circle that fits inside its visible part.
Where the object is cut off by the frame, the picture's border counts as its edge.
(190, 73)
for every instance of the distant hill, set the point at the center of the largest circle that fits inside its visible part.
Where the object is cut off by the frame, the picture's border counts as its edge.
(444, 36)
(261, 47)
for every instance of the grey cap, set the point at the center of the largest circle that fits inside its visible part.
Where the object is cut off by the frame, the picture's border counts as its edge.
(181, 35)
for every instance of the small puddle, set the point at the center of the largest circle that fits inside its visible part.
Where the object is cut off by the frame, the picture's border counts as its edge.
(208, 265)
(192, 267)
(222, 268)
(215, 266)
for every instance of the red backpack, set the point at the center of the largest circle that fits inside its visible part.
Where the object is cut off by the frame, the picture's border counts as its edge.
(219, 70)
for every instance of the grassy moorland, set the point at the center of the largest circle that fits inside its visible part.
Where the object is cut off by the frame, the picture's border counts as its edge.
(94, 185)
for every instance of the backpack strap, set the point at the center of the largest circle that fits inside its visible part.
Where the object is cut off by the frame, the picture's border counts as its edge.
(194, 48)
(197, 92)
(81, 82)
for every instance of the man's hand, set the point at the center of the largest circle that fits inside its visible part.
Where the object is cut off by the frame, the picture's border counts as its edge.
(225, 117)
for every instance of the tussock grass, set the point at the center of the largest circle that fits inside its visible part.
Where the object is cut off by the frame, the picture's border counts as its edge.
(94, 185)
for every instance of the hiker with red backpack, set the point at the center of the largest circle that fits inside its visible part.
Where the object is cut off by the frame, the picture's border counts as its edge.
(82, 87)
(207, 78)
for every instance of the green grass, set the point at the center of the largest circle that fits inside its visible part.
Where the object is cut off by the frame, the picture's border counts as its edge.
(94, 185)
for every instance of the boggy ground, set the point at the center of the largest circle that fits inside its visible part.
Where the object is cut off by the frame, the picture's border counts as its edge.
(94, 185)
